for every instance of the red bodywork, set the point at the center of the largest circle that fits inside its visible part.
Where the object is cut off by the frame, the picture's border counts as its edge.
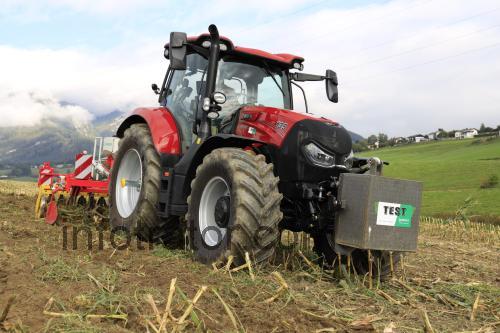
(271, 124)
(284, 58)
(163, 129)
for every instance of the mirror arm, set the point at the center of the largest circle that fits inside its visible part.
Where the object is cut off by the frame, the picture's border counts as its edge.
(303, 93)
(303, 77)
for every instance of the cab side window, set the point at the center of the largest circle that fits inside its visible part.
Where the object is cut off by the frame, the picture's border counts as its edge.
(183, 95)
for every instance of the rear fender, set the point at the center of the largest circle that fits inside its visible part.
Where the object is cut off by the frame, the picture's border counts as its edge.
(162, 125)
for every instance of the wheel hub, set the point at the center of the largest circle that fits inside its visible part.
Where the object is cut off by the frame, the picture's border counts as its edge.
(214, 211)
(221, 213)
(129, 183)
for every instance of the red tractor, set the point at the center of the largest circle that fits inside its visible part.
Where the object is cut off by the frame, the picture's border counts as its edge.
(226, 156)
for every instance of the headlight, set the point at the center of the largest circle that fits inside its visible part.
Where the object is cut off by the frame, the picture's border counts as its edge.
(318, 157)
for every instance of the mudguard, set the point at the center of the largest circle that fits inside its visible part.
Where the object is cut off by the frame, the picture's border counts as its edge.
(162, 125)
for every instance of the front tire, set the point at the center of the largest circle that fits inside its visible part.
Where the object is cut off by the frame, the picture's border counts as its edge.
(234, 207)
(135, 187)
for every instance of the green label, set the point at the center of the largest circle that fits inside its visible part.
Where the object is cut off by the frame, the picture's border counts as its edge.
(404, 219)
(394, 214)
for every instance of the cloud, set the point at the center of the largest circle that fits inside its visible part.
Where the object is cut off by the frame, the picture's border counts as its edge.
(31, 108)
(404, 66)
(99, 82)
(35, 10)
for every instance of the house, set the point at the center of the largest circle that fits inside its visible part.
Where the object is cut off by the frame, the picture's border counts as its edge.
(466, 133)
(375, 145)
(400, 140)
(418, 138)
(435, 135)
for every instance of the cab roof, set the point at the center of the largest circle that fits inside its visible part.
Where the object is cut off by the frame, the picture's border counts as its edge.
(282, 58)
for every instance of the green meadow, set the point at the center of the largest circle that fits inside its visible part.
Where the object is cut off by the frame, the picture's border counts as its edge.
(451, 170)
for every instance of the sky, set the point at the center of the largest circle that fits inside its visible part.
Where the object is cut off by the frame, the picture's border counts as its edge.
(404, 66)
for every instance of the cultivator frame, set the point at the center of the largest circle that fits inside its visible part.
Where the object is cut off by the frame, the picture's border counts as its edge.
(86, 186)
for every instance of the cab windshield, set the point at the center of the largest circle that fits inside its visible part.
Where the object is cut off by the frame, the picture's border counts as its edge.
(252, 82)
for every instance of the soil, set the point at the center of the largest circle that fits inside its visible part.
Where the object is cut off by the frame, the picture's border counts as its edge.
(442, 282)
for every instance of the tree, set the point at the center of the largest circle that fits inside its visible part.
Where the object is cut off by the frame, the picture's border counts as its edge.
(372, 139)
(382, 139)
(485, 129)
(361, 145)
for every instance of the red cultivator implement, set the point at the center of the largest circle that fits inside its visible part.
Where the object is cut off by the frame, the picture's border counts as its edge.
(86, 186)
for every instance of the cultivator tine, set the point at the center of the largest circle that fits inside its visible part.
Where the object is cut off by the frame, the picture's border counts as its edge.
(52, 212)
(370, 274)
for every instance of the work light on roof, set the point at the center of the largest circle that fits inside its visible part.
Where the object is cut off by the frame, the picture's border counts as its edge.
(298, 65)
(206, 44)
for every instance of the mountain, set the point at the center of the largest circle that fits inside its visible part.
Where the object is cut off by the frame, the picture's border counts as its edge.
(355, 137)
(107, 124)
(59, 140)
(55, 140)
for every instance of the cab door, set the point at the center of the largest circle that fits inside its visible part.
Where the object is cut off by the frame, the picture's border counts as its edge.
(182, 95)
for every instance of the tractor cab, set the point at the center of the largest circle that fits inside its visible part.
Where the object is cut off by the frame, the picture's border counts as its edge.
(202, 87)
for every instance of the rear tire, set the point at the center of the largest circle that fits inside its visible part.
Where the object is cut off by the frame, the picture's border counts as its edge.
(142, 218)
(234, 207)
(324, 246)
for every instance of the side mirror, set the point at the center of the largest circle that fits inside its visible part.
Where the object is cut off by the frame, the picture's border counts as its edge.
(177, 50)
(332, 91)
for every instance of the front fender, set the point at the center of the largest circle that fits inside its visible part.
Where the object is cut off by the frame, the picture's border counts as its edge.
(194, 156)
(162, 125)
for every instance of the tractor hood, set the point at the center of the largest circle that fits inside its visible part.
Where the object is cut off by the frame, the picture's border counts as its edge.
(288, 134)
(273, 126)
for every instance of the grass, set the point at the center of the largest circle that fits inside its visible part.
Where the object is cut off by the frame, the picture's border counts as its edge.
(165, 252)
(451, 171)
(57, 269)
(18, 187)
(461, 231)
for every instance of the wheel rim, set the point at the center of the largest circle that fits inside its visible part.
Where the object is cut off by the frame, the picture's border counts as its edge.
(211, 231)
(128, 183)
